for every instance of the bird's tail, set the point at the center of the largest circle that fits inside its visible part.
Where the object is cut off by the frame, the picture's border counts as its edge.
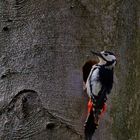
(92, 120)
(90, 126)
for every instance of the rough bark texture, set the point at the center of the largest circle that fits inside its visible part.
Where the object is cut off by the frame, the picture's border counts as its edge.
(43, 46)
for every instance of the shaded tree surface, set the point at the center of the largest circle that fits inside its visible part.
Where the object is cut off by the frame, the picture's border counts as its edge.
(43, 46)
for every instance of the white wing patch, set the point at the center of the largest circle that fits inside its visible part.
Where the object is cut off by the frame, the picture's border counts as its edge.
(93, 84)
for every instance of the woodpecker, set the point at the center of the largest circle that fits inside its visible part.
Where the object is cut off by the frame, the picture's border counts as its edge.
(98, 85)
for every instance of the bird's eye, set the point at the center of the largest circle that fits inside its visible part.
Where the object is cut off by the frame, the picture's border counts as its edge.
(106, 54)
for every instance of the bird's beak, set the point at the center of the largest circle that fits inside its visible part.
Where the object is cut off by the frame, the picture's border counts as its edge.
(96, 53)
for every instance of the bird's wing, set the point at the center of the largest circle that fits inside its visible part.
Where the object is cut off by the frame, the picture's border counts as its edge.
(102, 97)
(93, 84)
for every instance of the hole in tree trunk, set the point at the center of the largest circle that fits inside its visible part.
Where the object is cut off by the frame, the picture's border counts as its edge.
(86, 68)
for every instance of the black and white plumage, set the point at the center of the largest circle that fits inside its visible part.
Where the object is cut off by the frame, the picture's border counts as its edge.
(99, 83)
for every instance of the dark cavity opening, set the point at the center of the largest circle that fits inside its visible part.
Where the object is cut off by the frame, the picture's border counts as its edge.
(86, 68)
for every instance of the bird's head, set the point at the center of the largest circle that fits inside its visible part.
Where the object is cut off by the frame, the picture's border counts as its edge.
(106, 58)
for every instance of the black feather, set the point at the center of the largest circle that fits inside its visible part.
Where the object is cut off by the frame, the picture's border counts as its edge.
(111, 53)
(90, 126)
(106, 78)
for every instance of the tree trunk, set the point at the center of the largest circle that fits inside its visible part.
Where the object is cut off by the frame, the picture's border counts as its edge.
(43, 46)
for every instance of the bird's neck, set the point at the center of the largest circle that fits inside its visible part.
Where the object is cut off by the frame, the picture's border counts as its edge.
(101, 62)
(107, 65)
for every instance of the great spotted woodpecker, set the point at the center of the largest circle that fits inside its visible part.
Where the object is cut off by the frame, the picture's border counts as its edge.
(98, 84)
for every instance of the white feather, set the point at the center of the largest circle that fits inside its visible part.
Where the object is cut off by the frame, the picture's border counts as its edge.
(93, 85)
